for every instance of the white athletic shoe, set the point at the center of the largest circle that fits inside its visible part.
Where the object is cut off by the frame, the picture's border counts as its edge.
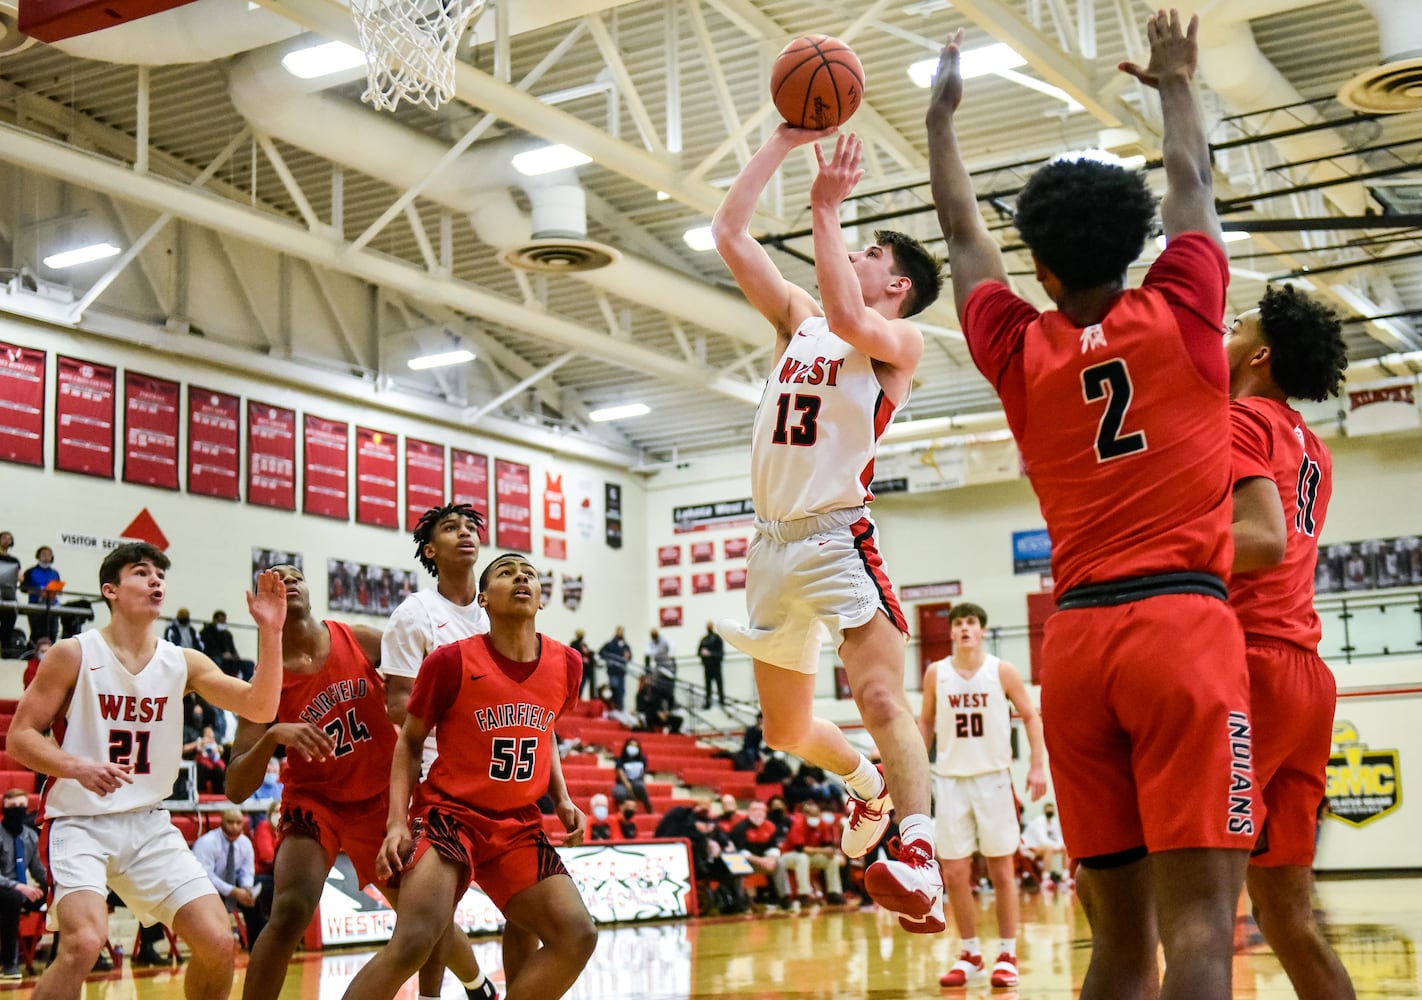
(1004, 972)
(967, 967)
(912, 887)
(866, 823)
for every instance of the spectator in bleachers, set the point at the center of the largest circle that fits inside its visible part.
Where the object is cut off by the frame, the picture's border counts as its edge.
(599, 828)
(775, 771)
(812, 845)
(182, 632)
(712, 651)
(631, 773)
(752, 747)
(580, 645)
(23, 878)
(1043, 840)
(9, 589)
(227, 855)
(760, 839)
(627, 825)
(730, 813)
(32, 666)
(722, 889)
(660, 662)
(221, 647)
(612, 708)
(264, 838)
(615, 655)
(211, 768)
(779, 815)
(42, 583)
(654, 707)
(270, 788)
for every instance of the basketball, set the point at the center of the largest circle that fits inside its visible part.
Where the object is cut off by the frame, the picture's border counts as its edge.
(817, 82)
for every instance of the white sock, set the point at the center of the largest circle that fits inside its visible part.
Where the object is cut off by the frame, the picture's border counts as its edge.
(475, 983)
(1008, 946)
(917, 827)
(971, 946)
(865, 779)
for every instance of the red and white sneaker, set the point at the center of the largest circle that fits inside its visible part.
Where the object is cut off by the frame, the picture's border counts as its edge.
(867, 821)
(968, 965)
(912, 887)
(1004, 970)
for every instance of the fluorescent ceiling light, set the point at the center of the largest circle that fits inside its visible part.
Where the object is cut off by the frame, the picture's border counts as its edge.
(620, 412)
(699, 238)
(81, 255)
(547, 159)
(1229, 236)
(322, 60)
(457, 357)
(994, 58)
(662, 196)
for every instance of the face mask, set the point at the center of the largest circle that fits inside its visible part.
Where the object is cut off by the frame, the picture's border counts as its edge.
(812, 821)
(628, 813)
(633, 752)
(777, 812)
(599, 812)
(14, 819)
(1051, 815)
(45, 564)
(220, 626)
(183, 619)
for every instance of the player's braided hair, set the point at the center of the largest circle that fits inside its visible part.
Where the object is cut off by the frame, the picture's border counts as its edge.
(425, 526)
(912, 261)
(1085, 220)
(1307, 354)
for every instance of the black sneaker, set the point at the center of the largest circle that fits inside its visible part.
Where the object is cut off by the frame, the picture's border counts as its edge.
(11, 973)
(484, 992)
(145, 957)
(103, 964)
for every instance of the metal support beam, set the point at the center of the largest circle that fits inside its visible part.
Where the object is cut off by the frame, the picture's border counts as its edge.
(140, 159)
(625, 85)
(509, 393)
(288, 181)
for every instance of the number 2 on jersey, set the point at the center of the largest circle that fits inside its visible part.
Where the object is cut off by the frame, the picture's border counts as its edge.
(347, 733)
(803, 433)
(122, 743)
(1112, 382)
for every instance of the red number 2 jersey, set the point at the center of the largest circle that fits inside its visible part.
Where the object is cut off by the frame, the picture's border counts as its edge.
(493, 721)
(346, 698)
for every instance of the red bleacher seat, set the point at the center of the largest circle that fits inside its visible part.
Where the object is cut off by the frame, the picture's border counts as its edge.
(8, 705)
(23, 780)
(188, 825)
(5, 720)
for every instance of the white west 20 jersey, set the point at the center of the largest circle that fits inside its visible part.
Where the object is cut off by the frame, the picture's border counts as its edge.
(817, 427)
(131, 719)
(974, 725)
(423, 621)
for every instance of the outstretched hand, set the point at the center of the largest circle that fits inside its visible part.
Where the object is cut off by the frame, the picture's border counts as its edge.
(268, 604)
(947, 91)
(838, 175)
(1173, 50)
(793, 136)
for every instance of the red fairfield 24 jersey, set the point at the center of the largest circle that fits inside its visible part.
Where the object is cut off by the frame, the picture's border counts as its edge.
(1272, 441)
(493, 719)
(346, 699)
(1123, 425)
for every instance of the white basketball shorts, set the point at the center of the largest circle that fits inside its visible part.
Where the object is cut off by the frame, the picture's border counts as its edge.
(139, 855)
(975, 814)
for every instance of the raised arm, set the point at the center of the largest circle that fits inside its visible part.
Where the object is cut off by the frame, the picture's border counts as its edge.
(780, 302)
(1189, 202)
(1260, 536)
(973, 255)
(1016, 692)
(259, 699)
(404, 775)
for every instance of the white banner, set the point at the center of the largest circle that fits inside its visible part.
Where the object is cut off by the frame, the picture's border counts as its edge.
(643, 880)
(1382, 408)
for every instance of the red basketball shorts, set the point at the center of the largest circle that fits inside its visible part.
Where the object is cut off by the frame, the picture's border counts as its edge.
(355, 828)
(1293, 695)
(505, 854)
(1145, 708)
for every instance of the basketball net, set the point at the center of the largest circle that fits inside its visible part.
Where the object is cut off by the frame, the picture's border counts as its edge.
(410, 48)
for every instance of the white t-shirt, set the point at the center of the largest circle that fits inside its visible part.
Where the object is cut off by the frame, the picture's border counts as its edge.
(124, 718)
(974, 725)
(1043, 832)
(424, 621)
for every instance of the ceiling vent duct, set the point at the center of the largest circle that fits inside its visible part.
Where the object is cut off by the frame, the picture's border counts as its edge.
(1395, 86)
(558, 255)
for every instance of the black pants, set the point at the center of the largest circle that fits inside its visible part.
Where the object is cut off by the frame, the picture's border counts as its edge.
(12, 904)
(713, 676)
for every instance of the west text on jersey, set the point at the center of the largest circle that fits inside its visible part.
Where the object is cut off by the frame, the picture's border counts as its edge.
(515, 715)
(821, 370)
(131, 708)
(975, 700)
(331, 697)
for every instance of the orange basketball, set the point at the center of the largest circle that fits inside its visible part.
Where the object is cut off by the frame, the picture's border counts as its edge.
(816, 82)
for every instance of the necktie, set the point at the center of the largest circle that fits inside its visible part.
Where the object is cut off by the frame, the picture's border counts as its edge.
(229, 874)
(20, 861)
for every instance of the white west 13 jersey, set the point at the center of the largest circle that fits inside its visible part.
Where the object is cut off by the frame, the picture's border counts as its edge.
(131, 719)
(974, 725)
(816, 428)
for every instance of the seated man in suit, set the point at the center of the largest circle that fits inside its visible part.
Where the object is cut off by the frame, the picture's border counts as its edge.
(226, 854)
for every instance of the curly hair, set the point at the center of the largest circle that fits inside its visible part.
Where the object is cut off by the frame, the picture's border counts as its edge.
(923, 270)
(425, 526)
(1085, 220)
(1307, 354)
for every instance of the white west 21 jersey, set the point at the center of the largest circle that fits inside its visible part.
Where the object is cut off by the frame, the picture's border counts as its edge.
(817, 428)
(974, 727)
(135, 720)
(424, 621)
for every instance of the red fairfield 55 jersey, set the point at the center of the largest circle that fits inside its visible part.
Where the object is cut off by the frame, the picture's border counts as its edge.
(817, 427)
(346, 699)
(493, 719)
(1272, 441)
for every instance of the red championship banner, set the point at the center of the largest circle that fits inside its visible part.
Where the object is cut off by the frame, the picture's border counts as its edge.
(555, 504)
(424, 479)
(150, 431)
(214, 429)
(555, 547)
(703, 552)
(377, 478)
(21, 405)
(669, 617)
(736, 579)
(84, 418)
(469, 479)
(703, 583)
(669, 586)
(736, 548)
(325, 467)
(271, 456)
(513, 527)
(669, 555)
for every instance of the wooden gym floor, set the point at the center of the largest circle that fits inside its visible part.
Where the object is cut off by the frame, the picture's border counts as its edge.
(1376, 925)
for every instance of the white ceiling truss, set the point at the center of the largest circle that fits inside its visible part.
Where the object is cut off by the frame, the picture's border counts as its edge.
(351, 240)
